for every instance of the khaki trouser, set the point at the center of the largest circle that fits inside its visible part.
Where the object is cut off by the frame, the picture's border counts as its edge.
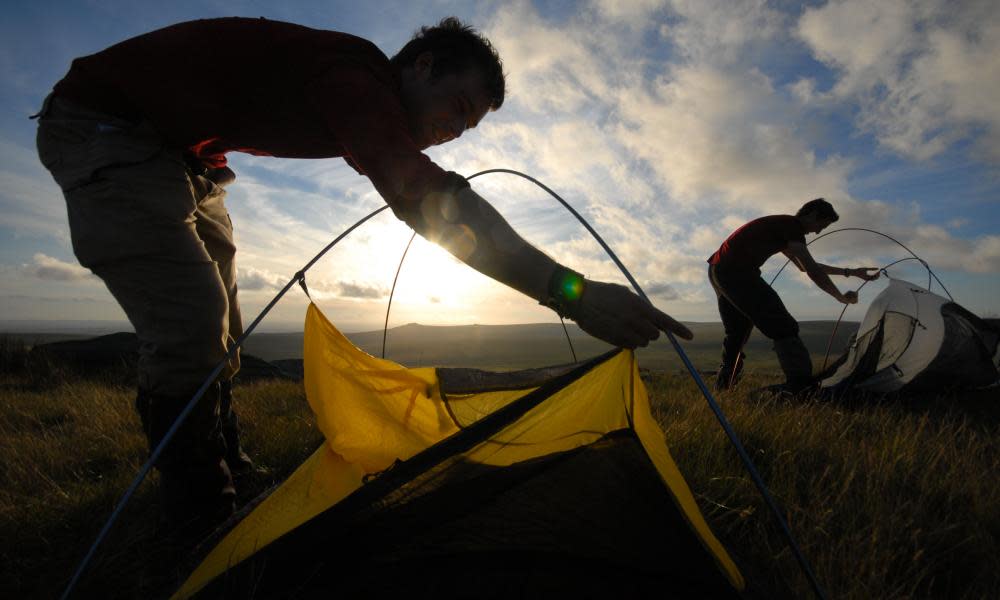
(158, 235)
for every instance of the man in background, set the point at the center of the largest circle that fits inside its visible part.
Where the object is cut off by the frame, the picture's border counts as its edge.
(137, 136)
(747, 301)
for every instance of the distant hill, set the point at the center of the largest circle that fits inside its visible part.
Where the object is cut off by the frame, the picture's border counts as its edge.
(498, 347)
(540, 344)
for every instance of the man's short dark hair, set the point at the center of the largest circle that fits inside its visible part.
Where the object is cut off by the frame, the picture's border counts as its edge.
(819, 207)
(456, 47)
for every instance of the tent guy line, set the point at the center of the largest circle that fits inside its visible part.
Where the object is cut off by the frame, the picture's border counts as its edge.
(299, 278)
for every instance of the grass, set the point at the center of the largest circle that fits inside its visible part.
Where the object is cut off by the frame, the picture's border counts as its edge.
(888, 500)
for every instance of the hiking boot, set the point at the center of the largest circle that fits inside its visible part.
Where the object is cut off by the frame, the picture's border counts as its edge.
(196, 500)
(794, 360)
(239, 461)
(798, 389)
(801, 386)
(196, 486)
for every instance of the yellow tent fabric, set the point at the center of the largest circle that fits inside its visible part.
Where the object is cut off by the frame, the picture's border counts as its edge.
(374, 412)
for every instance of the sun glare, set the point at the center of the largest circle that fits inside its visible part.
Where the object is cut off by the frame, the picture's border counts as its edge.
(431, 275)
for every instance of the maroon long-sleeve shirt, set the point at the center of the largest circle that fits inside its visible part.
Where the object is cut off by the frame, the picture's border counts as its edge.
(263, 87)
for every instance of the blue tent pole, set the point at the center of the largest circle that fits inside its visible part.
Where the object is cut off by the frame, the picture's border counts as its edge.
(747, 462)
(299, 277)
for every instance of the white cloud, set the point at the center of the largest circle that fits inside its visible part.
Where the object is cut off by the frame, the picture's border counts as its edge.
(662, 290)
(550, 69)
(924, 74)
(251, 279)
(723, 32)
(634, 13)
(667, 124)
(718, 136)
(351, 289)
(52, 269)
(30, 201)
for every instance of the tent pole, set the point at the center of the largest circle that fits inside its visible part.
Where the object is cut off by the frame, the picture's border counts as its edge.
(299, 277)
(385, 329)
(747, 462)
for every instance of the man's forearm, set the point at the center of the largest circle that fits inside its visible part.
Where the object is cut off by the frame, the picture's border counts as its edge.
(831, 270)
(474, 232)
(822, 280)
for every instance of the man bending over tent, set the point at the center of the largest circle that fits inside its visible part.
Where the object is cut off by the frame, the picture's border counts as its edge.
(137, 135)
(746, 300)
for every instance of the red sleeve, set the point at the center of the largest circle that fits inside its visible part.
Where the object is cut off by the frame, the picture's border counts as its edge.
(363, 112)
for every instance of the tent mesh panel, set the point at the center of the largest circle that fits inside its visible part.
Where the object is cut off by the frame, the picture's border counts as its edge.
(593, 521)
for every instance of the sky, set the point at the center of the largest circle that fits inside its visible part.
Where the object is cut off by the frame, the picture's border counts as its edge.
(666, 124)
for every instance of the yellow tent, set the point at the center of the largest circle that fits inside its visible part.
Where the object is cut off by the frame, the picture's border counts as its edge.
(464, 483)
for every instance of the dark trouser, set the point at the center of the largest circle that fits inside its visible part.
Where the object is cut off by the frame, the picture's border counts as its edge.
(159, 236)
(746, 301)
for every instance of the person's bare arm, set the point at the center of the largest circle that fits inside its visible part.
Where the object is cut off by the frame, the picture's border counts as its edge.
(866, 273)
(799, 254)
(470, 228)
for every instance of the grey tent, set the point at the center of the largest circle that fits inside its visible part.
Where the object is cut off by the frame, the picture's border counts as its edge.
(915, 340)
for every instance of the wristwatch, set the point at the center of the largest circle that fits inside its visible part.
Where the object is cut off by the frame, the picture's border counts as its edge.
(565, 289)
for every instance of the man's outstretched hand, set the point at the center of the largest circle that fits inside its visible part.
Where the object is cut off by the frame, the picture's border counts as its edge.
(612, 313)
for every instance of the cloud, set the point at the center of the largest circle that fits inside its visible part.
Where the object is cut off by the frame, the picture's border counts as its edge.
(550, 69)
(52, 269)
(716, 136)
(350, 289)
(251, 279)
(924, 75)
(634, 13)
(662, 290)
(722, 32)
(677, 150)
(30, 201)
(942, 251)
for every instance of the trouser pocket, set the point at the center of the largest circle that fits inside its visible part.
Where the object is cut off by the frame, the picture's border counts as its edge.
(76, 143)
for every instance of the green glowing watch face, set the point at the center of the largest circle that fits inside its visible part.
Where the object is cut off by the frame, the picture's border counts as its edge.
(571, 287)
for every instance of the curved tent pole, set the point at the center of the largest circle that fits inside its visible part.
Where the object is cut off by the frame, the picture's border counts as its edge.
(299, 278)
(829, 344)
(744, 457)
(392, 292)
(913, 256)
(385, 328)
(930, 273)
